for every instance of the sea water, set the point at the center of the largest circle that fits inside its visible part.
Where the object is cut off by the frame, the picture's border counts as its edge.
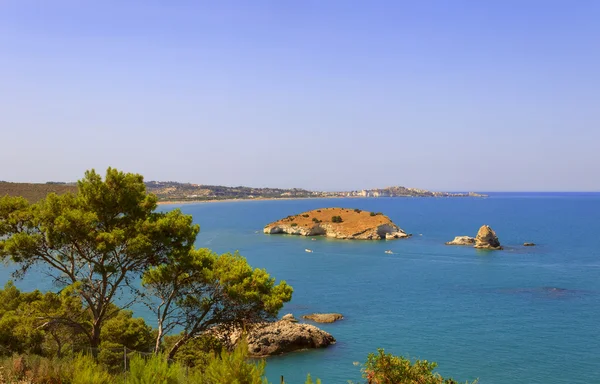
(520, 315)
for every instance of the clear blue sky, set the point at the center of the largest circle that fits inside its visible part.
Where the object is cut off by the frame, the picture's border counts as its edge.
(446, 95)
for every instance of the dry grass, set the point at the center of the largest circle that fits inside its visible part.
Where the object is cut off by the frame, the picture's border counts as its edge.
(352, 220)
(34, 192)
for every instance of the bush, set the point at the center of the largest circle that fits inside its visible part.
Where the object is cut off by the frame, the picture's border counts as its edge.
(309, 380)
(85, 370)
(196, 352)
(294, 224)
(315, 220)
(382, 368)
(155, 369)
(232, 368)
(357, 210)
(372, 214)
(305, 215)
(336, 219)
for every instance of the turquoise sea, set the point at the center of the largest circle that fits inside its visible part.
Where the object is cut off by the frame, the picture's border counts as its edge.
(521, 315)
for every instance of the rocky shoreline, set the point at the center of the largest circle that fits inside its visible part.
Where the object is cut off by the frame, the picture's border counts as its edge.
(278, 337)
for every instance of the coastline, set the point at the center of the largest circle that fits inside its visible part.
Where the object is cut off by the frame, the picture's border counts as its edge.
(181, 202)
(239, 200)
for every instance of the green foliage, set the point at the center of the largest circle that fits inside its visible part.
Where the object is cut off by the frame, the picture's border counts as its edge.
(125, 330)
(94, 242)
(316, 221)
(197, 352)
(306, 215)
(32, 369)
(310, 381)
(202, 289)
(357, 210)
(85, 370)
(233, 368)
(382, 368)
(372, 214)
(155, 369)
(294, 224)
(336, 219)
(17, 335)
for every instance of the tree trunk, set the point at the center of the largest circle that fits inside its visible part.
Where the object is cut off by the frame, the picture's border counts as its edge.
(178, 345)
(95, 338)
(158, 339)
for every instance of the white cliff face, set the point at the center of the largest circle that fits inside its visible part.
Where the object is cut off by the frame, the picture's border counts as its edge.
(385, 231)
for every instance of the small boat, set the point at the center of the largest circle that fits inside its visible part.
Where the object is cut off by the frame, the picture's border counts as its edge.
(308, 250)
(313, 239)
(389, 251)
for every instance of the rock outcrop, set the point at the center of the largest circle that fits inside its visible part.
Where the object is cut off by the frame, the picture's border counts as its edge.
(462, 240)
(289, 317)
(324, 317)
(275, 338)
(529, 244)
(339, 223)
(487, 239)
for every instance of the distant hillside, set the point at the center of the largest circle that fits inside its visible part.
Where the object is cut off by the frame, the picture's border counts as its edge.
(33, 191)
(174, 191)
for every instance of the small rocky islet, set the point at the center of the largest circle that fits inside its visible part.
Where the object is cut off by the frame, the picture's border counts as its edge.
(324, 317)
(338, 223)
(486, 239)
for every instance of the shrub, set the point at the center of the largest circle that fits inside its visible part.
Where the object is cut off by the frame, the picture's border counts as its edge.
(306, 215)
(372, 214)
(85, 370)
(315, 220)
(382, 368)
(232, 367)
(357, 210)
(336, 219)
(310, 381)
(155, 369)
(294, 224)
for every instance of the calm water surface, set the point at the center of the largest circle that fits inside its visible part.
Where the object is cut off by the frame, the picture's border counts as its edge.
(524, 314)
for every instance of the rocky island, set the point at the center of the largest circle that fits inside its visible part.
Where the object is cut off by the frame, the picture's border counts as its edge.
(486, 239)
(338, 223)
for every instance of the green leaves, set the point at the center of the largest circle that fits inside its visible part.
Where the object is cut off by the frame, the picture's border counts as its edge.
(102, 238)
(201, 289)
(382, 368)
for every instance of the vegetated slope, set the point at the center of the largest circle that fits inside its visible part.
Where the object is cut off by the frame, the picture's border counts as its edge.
(174, 191)
(34, 191)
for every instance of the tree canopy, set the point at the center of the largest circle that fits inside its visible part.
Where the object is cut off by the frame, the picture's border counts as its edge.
(203, 289)
(98, 243)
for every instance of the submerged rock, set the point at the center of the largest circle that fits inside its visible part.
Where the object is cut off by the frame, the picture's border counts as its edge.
(487, 239)
(324, 317)
(462, 240)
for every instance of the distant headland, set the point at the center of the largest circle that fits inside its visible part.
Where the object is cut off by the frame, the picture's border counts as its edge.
(338, 223)
(171, 191)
